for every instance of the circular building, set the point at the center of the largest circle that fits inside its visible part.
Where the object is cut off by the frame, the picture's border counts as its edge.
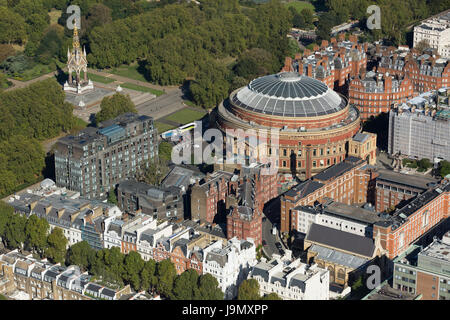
(314, 123)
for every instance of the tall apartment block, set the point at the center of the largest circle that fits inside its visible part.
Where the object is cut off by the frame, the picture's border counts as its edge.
(96, 159)
(420, 128)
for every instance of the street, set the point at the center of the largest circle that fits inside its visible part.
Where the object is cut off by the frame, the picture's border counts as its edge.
(272, 215)
(163, 105)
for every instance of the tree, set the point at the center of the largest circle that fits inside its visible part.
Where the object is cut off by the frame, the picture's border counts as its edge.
(14, 232)
(208, 288)
(133, 265)
(36, 230)
(254, 63)
(113, 106)
(51, 45)
(444, 168)
(358, 284)
(112, 198)
(271, 296)
(422, 45)
(154, 173)
(249, 290)
(424, 164)
(12, 26)
(81, 254)
(148, 275)
(6, 212)
(326, 21)
(165, 150)
(166, 273)
(185, 285)
(6, 50)
(56, 242)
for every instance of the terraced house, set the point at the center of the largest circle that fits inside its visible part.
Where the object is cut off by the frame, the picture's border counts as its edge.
(41, 280)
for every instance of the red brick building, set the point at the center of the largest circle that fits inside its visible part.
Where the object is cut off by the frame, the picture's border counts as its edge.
(248, 193)
(373, 93)
(182, 258)
(348, 182)
(333, 63)
(426, 72)
(414, 220)
(208, 196)
(245, 222)
(393, 187)
(313, 123)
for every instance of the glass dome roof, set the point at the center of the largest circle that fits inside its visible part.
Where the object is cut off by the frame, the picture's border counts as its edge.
(289, 94)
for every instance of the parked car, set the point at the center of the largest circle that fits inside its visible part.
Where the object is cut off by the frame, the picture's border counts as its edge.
(264, 243)
(278, 245)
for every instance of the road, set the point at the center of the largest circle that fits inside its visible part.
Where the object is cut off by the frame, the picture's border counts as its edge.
(272, 215)
(163, 105)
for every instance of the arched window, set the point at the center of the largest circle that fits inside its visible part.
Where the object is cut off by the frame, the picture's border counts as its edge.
(341, 274)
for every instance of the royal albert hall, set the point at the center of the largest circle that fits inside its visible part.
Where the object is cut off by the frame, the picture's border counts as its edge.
(314, 122)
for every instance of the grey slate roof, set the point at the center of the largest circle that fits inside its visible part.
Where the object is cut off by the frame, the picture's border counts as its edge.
(341, 240)
(360, 137)
(338, 169)
(289, 94)
(304, 188)
(217, 256)
(338, 257)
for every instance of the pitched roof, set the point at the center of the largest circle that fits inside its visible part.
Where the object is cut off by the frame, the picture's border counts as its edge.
(341, 240)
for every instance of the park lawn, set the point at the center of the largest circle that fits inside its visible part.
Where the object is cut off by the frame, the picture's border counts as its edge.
(163, 127)
(101, 79)
(191, 104)
(142, 89)
(300, 5)
(185, 116)
(129, 71)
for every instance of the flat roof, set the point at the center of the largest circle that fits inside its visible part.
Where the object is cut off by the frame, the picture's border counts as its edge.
(352, 212)
(406, 179)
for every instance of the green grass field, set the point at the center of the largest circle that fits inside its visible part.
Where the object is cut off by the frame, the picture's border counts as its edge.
(185, 116)
(142, 89)
(129, 72)
(300, 5)
(163, 127)
(101, 79)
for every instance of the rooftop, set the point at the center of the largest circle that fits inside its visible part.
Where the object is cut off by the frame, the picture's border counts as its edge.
(289, 94)
(417, 181)
(340, 240)
(338, 169)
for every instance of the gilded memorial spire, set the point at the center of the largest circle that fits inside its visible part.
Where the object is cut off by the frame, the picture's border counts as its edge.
(76, 39)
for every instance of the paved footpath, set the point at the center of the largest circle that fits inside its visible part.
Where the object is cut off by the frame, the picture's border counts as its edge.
(129, 80)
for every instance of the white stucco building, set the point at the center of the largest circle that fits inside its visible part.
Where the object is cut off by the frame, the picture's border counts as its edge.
(436, 31)
(291, 280)
(338, 216)
(230, 264)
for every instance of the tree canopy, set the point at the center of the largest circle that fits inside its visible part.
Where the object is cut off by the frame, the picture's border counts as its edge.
(56, 246)
(114, 106)
(28, 116)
